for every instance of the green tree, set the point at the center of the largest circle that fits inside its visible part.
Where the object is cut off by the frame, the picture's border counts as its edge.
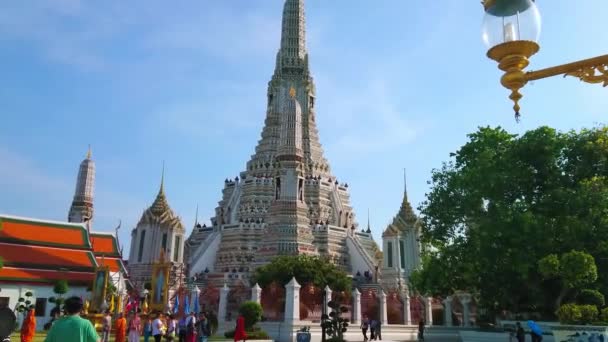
(574, 270)
(306, 269)
(60, 288)
(502, 203)
(252, 312)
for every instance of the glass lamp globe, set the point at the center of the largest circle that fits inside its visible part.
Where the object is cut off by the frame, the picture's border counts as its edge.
(510, 20)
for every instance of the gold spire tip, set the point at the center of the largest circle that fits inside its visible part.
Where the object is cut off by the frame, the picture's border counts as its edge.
(89, 152)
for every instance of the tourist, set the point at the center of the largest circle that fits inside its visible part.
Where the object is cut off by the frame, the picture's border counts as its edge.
(421, 330)
(182, 328)
(520, 334)
(239, 330)
(106, 327)
(535, 332)
(147, 329)
(191, 328)
(121, 328)
(134, 327)
(158, 328)
(72, 327)
(375, 328)
(28, 328)
(372, 329)
(7, 322)
(171, 328)
(364, 327)
(203, 330)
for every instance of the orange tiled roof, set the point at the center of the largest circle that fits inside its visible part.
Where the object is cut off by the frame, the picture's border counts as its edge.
(35, 275)
(47, 257)
(104, 244)
(44, 233)
(114, 264)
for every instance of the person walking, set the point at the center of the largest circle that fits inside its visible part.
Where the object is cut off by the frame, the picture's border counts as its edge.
(191, 328)
(171, 328)
(239, 330)
(421, 330)
(72, 328)
(364, 327)
(182, 328)
(147, 329)
(203, 330)
(375, 327)
(158, 327)
(520, 334)
(134, 327)
(28, 328)
(106, 327)
(121, 328)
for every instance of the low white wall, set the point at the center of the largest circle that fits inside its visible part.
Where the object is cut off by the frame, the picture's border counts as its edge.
(16, 291)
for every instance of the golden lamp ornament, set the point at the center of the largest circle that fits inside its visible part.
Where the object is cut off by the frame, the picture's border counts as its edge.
(511, 31)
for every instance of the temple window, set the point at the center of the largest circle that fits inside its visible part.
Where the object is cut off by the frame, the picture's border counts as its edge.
(164, 243)
(176, 249)
(140, 251)
(402, 253)
(389, 253)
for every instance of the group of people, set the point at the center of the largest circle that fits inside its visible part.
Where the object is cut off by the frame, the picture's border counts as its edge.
(73, 328)
(373, 326)
(158, 327)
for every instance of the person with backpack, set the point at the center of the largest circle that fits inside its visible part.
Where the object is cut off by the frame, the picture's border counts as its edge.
(203, 329)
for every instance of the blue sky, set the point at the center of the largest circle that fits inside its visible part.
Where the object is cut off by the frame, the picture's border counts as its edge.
(399, 85)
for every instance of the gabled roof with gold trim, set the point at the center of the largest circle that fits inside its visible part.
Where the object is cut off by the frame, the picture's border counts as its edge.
(160, 213)
(105, 248)
(404, 220)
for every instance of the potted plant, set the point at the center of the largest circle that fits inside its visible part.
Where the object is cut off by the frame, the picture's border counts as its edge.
(303, 335)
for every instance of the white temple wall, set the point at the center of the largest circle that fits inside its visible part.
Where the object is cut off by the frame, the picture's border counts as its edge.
(206, 259)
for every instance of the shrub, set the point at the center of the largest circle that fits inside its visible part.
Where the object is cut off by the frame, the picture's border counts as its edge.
(257, 334)
(591, 297)
(61, 287)
(589, 313)
(604, 315)
(252, 312)
(569, 314)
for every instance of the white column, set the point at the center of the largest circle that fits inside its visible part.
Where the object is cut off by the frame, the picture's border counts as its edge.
(429, 310)
(447, 303)
(465, 300)
(292, 301)
(221, 312)
(407, 313)
(256, 294)
(328, 293)
(383, 312)
(356, 306)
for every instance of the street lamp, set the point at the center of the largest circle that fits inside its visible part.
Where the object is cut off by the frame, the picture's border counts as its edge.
(511, 30)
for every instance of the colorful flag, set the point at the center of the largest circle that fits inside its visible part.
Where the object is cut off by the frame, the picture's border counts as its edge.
(196, 305)
(187, 305)
(176, 304)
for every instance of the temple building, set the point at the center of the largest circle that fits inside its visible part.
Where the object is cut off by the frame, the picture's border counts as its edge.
(286, 201)
(402, 248)
(158, 229)
(39, 253)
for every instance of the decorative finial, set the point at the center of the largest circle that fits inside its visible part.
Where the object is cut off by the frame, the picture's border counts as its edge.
(89, 152)
(405, 183)
(196, 216)
(292, 92)
(162, 179)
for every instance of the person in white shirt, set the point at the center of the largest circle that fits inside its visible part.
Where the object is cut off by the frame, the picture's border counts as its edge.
(158, 328)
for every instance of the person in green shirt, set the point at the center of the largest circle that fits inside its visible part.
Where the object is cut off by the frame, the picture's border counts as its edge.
(72, 327)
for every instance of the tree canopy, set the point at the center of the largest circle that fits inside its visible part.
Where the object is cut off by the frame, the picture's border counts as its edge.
(503, 203)
(306, 269)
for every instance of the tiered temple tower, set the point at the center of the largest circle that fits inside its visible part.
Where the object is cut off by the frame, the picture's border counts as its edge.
(286, 201)
(81, 210)
(158, 229)
(401, 246)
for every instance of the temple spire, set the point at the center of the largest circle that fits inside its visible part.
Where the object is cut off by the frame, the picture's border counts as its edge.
(162, 180)
(81, 209)
(404, 184)
(293, 35)
(369, 228)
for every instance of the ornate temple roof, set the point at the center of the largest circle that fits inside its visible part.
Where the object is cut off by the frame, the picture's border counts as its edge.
(45, 251)
(105, 249)
(404, 220)
(160, 212)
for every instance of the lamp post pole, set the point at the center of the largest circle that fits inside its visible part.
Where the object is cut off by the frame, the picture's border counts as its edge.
(323, 316)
